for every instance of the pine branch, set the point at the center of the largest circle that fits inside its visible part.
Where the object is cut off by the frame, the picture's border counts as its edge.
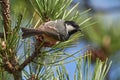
(6, 14)
(10, 63)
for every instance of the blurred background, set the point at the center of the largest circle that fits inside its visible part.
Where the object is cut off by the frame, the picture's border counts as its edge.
(103, 36)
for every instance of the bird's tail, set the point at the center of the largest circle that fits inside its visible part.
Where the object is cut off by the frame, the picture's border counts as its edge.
(27, 32)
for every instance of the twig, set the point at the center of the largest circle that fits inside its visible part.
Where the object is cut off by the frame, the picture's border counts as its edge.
(32, 57)
(28, 60)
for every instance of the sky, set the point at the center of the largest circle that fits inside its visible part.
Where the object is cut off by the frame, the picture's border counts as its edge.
(71, 66)
(105, 3)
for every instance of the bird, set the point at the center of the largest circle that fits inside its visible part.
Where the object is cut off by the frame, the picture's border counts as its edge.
(52, 32)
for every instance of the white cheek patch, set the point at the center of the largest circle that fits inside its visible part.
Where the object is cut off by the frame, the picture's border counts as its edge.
(69, 27)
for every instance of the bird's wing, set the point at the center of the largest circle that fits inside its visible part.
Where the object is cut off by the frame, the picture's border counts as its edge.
(50, 31)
